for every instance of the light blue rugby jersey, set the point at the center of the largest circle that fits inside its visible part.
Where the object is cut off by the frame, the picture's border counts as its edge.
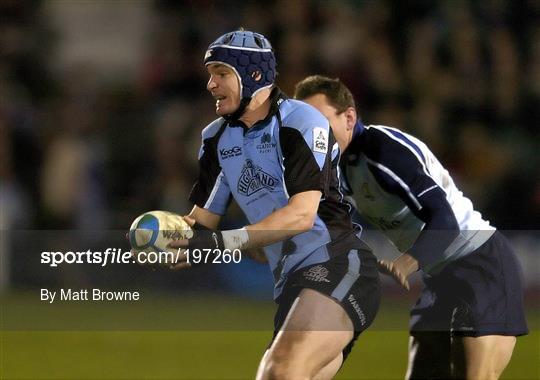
(291, 151)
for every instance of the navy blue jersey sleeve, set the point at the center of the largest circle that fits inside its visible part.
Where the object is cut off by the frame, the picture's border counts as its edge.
(439, 232)
(399, 167)
(211, 191)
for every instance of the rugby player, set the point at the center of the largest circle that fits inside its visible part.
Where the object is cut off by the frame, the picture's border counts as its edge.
(465, 322)
(277, 157)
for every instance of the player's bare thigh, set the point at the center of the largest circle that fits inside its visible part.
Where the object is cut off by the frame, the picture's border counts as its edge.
(325, 373)
(316, 331)
(483, 357)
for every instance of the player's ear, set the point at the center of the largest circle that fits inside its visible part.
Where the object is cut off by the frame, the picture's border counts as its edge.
(350, 114)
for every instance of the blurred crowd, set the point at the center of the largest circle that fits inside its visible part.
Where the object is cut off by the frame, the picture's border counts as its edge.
(93, 134)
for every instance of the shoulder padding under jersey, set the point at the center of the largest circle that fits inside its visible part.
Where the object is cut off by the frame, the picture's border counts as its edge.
(303, 117)
(211, 129)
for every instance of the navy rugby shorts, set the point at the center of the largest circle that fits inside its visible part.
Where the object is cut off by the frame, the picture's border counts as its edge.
(351, 279)
(479, 294)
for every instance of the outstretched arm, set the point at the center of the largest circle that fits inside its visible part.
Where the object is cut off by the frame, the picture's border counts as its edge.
(296, 217)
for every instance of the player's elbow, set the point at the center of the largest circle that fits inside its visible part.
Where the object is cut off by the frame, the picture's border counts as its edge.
(302, 210)
(305, 222)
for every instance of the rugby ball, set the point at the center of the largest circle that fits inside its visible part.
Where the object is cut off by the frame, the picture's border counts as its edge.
(153, 231)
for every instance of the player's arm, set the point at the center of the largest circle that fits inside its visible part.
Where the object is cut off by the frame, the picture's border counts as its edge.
(211, 194)
(297, 217)
(200, 218)
(401, 170)
(307, 158)
(439, 232)
(307, 162)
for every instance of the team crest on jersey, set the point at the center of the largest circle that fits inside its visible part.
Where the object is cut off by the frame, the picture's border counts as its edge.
(266, 144)
(318, 273)
(320, 140)
(266, 138)
(253, 178)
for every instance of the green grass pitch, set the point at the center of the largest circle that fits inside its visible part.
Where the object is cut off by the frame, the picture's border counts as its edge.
(199, 348)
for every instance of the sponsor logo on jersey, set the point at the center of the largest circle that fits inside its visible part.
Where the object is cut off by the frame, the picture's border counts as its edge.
(266, 144)
(320, 140)
(358, 309)
(388, 224)
(253, 178)
(318, 273)
(231, 152)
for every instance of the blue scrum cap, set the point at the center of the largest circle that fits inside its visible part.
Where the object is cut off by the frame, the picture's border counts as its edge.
(251, 57)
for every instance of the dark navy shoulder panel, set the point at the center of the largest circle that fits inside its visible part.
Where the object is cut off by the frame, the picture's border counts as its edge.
(396, 164)
(311, 125)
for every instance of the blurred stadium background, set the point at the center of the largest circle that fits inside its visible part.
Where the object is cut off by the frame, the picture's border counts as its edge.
(101, 108)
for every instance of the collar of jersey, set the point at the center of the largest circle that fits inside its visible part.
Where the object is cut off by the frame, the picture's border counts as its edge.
(275, 96)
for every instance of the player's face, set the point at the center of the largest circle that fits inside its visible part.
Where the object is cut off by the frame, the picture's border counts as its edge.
(224, 87)
(338, 121)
